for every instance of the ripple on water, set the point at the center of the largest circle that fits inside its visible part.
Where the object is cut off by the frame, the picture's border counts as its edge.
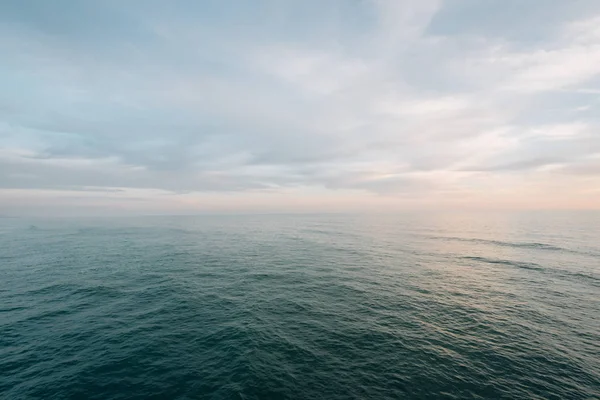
(336, 308)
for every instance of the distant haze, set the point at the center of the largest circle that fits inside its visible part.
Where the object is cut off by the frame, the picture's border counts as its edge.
(298, 106)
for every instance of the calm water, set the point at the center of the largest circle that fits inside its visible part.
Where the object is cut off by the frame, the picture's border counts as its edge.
(301, 307)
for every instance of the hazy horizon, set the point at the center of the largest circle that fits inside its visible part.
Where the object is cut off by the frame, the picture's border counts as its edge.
(178, 108)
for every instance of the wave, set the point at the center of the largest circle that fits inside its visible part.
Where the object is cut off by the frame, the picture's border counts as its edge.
(594, 280)
(526, 245)
(523, 265)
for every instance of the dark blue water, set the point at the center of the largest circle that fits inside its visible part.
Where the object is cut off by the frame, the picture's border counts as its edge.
(301, 307)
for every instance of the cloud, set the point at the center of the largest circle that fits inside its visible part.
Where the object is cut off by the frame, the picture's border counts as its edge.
(368, 100)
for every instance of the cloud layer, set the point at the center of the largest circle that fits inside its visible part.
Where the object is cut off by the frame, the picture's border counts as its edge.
(298, 105)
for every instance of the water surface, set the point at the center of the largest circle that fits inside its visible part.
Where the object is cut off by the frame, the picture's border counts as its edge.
(301, 307)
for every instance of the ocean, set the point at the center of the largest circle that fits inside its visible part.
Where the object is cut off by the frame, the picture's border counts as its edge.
(405, 306)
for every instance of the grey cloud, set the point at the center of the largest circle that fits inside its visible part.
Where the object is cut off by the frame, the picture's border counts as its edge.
(173, 108)
(583, 168)
(36, 175)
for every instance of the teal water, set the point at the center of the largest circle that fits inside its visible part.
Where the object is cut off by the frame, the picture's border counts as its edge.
(463, 306)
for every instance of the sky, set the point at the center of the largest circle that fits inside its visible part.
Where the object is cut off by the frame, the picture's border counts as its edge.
(176, 107)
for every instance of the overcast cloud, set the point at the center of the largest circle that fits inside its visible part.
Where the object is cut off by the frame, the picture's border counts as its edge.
(192, 106)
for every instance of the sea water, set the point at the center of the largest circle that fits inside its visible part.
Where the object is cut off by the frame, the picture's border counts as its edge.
(423, 305)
